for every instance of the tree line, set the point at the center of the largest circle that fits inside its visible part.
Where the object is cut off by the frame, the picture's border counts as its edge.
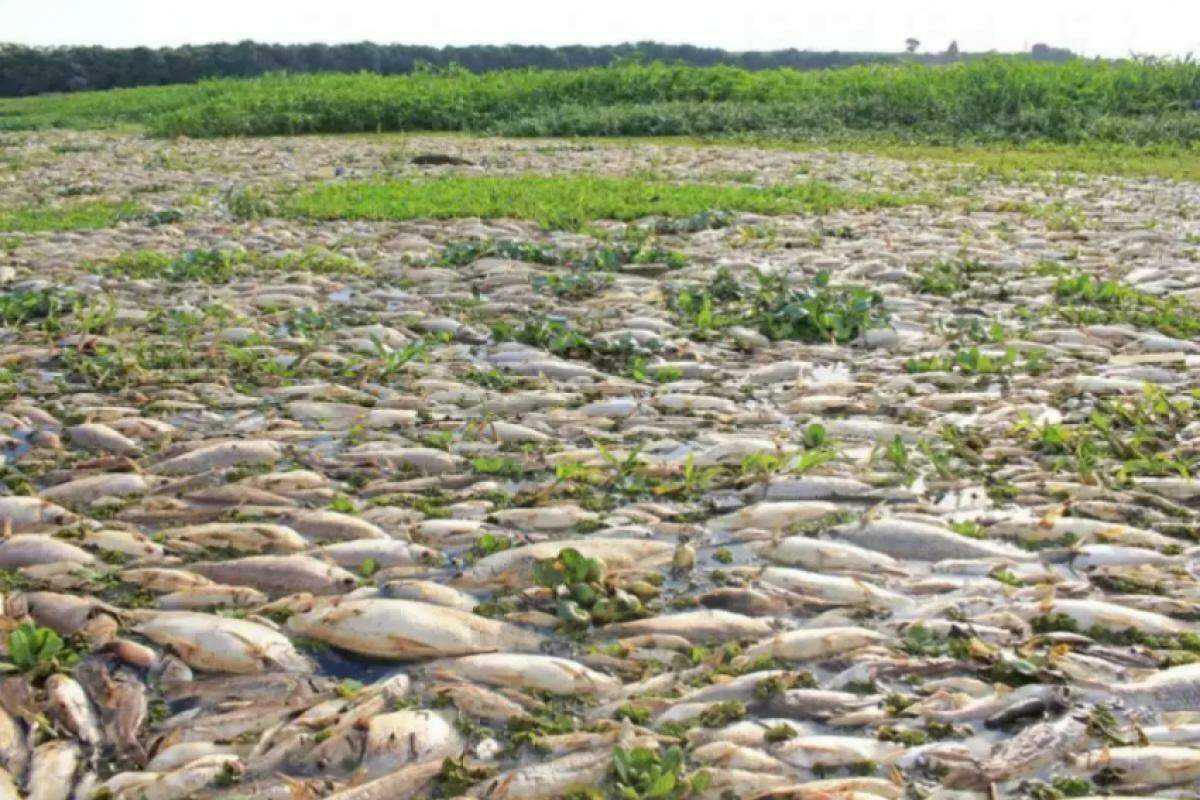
(37, 70)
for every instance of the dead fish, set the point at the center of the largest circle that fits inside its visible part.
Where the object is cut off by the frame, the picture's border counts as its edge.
(403, 784)
(429, 592)
(806, 752)
(221, 455)
(130, 543)
(272, 688)
(813, 643)
(123, 705)
(1155, 765)
(695, 626)
(384, 553)
(526, 671)
(817, 487)
(405, 629)
(100, 437)
(24, 513)
(233, 494)
(399, 738)
(901, 538)
(986, 706)
(14, 751)
(1038, 706)
(822, 555)
(177, 755)
(253, 537)
(183, 782)
(221, 644)
(546, 518)
(548, 780)
(514, 567)
(476, 701)
(831, 588)
(1174, 689)
(1035, 747)
(29, 549)
(758, 602)
(322, 527)
(425, 460)
(818, 704)
(66, 614)
(729, 755)
(742, 783)
(211, 596)
(279, 574)
(1112, 616)
(774, 515)
(224, 726)
(52, 770)
(70, 705)
(287, 483)
(8, 786)
(93, 487)
(163, 579)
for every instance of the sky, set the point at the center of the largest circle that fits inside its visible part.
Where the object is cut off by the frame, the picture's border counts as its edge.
(1089, 27)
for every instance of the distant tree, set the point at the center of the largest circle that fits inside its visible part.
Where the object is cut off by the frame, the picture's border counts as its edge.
(911, 44)
(35, 70)
(1044, 52)
(952, 50)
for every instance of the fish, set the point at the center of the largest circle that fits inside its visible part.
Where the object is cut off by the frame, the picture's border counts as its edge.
(278, 574)
(399, 738)
(1035, 747)
(548, 779)
(221, 455)
(52, 770)
(406, 782)
(221, 644)
(813, 643)
(919, 541)
(514, 567)
(528, 672)
(70, 705)
(694, 626)
(822, 555)
(1154, 765)
(30, 549)
(407, 629)
(18, 514)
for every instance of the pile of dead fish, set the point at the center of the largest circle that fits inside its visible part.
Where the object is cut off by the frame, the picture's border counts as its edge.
(308, 535)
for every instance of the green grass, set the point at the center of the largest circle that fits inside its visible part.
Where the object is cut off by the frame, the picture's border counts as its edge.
(567, 202)
(1019, 162)
(72, 217)
(997, 99)
(219, 266)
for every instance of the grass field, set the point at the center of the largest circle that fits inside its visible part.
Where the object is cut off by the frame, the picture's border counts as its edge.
(564, 202)
(993, 100)
(68, 216)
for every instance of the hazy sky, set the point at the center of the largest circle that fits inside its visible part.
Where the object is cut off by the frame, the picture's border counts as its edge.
(1092, 27)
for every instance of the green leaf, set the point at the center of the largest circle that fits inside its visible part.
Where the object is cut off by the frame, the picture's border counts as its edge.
(662, 786)
(49, 646)
(20, 646)
(570, 612)
(622, 764)
(545, 574)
